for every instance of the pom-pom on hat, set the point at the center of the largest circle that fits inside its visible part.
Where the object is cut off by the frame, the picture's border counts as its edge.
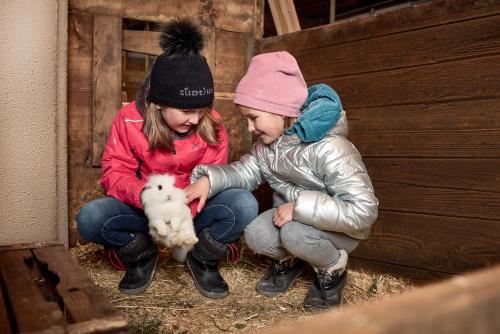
(273, 83)
(180, 77)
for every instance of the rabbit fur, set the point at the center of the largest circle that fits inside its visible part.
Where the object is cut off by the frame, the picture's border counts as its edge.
(170, 220)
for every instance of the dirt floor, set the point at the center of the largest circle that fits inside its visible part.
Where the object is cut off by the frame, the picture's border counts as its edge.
(173, 305)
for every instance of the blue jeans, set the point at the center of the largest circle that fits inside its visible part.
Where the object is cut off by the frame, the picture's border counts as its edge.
(110, 222)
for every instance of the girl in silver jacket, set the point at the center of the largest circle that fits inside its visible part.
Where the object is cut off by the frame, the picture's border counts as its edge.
(324, 201)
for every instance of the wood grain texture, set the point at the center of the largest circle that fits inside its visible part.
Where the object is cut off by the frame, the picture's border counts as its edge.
(230, 60)
(479, 174)
(469, 79)
(418, 16)
(436, 44)
(82, 178)
(31, 311)
(107, 80)
(436, 243)
(82, 298)
(416, 276)
(5, 326)
(236, 128)
(464, 203)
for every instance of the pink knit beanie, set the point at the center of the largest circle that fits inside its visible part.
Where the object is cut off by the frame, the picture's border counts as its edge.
(273, 83)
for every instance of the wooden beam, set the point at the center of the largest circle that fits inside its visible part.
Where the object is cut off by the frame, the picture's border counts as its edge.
(462, 305)
(142, 42)
(107, 79)
(422, 15)
(284, 16)
(332, 11)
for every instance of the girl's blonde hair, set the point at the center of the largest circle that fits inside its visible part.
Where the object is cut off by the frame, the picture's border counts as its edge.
(289, 121)
(160, 136)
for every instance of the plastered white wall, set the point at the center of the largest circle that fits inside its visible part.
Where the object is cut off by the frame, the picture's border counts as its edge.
(32, 121)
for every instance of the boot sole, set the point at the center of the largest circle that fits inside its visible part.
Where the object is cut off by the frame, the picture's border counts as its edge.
(271, 294)
(208, 294)
(143, 288)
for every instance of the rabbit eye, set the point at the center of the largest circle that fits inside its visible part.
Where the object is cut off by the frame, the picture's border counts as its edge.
(160, 187)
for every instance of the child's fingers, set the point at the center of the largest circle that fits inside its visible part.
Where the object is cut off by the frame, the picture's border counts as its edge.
(201, 204)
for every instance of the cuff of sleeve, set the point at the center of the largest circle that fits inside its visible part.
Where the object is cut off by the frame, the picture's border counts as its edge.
(213, 173)
(137, 197)
(305, 206)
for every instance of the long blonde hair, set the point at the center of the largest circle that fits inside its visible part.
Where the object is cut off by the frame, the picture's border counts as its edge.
(160, 136)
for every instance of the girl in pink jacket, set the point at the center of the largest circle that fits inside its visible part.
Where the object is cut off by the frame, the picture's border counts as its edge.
(170, 128)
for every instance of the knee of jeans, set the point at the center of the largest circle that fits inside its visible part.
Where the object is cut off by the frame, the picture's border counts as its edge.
(244, 205)
(88, 221)
(293, 237)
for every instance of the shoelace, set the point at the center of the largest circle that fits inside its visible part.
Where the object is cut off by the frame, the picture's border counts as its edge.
(115, 261)
(233, 254)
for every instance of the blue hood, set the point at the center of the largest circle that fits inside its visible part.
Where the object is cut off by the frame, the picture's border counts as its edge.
(319, 114)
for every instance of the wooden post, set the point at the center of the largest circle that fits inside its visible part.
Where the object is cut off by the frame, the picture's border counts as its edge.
(107, 79)
(332, 11)
(284, 16)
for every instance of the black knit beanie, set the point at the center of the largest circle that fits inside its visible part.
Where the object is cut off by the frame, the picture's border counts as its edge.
(180, 77)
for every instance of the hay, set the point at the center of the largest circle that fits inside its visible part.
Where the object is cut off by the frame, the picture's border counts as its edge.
(173, 305)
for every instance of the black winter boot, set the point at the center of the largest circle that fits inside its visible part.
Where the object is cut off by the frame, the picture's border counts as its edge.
(140, 258)
(279, 277)
(203, 263)
(326, 290)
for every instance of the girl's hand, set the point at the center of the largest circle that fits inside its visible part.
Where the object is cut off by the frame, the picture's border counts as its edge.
(198, 189)
(283, 214)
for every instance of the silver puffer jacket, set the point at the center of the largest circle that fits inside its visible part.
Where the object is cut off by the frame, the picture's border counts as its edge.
(326, 179)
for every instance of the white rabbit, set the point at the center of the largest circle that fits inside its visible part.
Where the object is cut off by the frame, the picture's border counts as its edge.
(170, 220)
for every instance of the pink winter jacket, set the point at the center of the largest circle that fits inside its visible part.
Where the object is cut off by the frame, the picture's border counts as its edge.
(127, 161)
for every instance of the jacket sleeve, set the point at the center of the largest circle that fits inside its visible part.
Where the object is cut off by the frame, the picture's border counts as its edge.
(350, 206)
(242, 174)
(119, 166)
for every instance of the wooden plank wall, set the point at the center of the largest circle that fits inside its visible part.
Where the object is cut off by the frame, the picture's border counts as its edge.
(421, 89)
(93, 92)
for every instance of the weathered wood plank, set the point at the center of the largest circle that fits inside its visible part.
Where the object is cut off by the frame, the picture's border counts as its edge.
(107, 79)
(80, 48)
(4, 317)
(432, 45)
(147, 42)
(153, 10)
(418, 16)
(454, 129)
(455, 116)
(230, 15)
(81, 297)
(234, 15)
(477, 78)
(437, 243)
(467, 173)
(258, 19)
(82, 180)
(142, 42)
(473, 143)
(30, 310)
(236, 128)
(465, 203)
(230, 59)
(462, 305)
(284, 16)
(417, 276)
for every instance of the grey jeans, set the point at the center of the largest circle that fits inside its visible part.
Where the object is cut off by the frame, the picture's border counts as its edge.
(319, 248)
